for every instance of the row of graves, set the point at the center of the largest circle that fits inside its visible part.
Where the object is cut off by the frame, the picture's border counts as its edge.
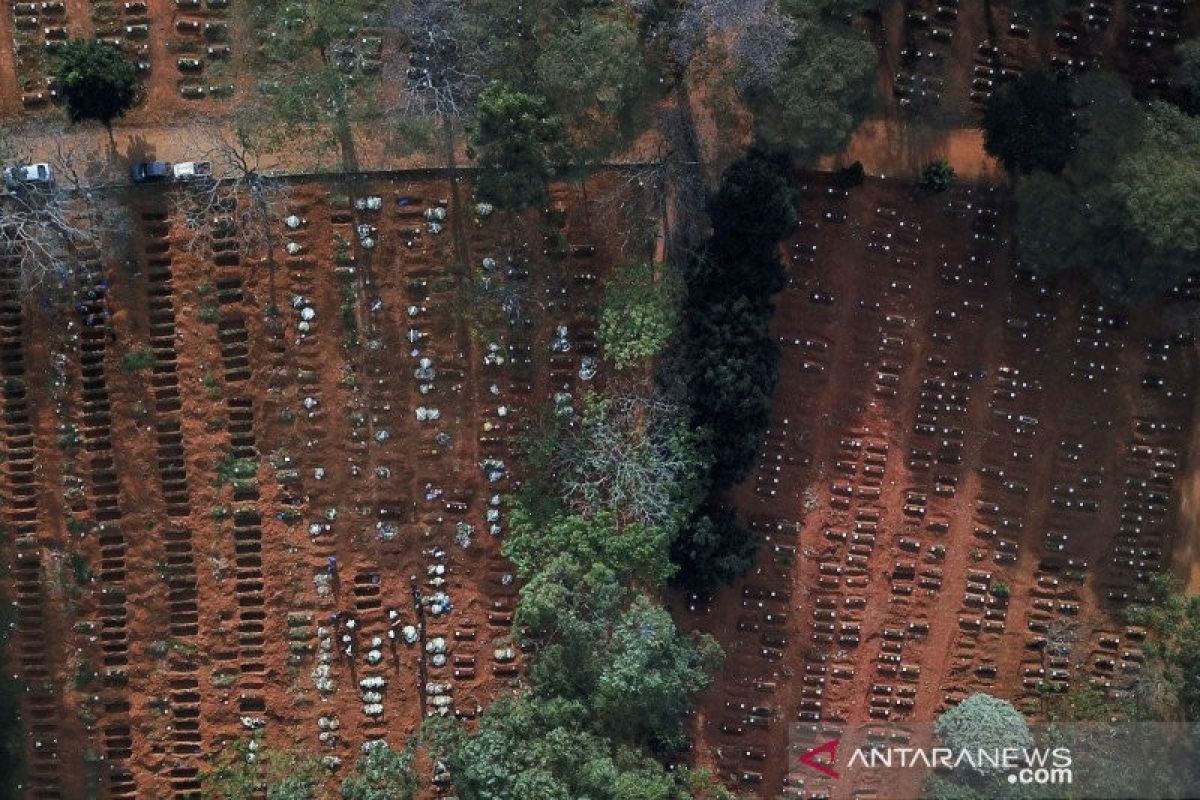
(969, 472)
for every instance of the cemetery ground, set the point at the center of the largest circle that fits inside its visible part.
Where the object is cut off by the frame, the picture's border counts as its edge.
(248, 497)
(237, 491)
(969, 473)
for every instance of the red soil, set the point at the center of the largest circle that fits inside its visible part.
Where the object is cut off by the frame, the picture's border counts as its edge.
(203, 605)
(845, 456)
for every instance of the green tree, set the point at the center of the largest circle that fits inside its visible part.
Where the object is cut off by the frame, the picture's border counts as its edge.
(632, 551)
(640, 314)
(565, 613)
(1110, 121)
(519, 144)
(983, 722)
(938, 176)
(732, 365)
(592, 71)
(825, 86)
(1186, 75)
(1160, 181)
(649, 675)
(714, 548)
(529, 747)
(1029, 124)
(1053, 227)
(97, 82)
(754, 207)
(595, 640)
(382, 773)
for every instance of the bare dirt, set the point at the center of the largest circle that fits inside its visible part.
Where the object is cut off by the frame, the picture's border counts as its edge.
(943, 488)
(202, 539)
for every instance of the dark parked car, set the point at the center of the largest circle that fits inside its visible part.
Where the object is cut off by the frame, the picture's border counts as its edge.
(150, 171)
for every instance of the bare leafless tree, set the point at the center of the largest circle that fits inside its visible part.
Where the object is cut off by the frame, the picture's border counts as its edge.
(46, 227)
(633, 198)
(441, 80)
(630, 451)
(756, 31)
(242, 201)
(443, 75)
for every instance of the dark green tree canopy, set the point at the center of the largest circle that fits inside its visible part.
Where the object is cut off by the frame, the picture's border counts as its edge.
(519, 144)
(714, 549)
(1133, 225)
(823, 88)
(592, 71)
(938, 176)
(755, 205)
(97, 82)
(1030, 124)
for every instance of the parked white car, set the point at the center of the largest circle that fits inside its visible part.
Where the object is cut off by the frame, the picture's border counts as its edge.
(39, 174)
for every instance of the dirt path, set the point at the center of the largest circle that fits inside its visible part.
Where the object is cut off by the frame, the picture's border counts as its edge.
(1187, 542)
(895, 148)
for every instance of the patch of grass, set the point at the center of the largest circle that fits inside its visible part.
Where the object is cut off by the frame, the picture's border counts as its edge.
(84, 675)
(232, 470)
(223, 680)
(69, 438)
(211, 384)
(349, 318)
(80, 569)
(207, 312)
(138, 359)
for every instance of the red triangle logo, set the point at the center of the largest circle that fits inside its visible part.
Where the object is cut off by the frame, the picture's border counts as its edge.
(825, 767)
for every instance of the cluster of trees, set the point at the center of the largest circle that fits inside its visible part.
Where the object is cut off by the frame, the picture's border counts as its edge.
(807, 76)
(547, 90)
(728, 361)
(609, 675)
(1105, 183)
